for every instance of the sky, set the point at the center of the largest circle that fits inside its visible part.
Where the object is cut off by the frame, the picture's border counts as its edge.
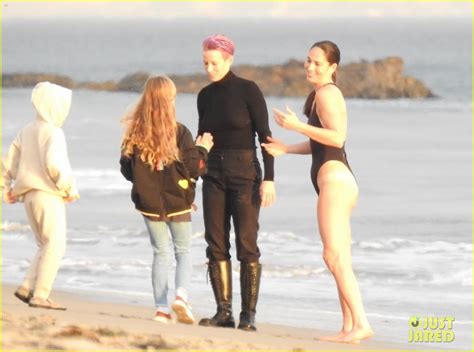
(206, 9)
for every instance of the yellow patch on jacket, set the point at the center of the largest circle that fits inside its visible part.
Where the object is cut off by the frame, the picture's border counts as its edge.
(183, 183)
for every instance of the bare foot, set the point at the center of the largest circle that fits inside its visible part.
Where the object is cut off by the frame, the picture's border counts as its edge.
(357, 334)
(333, 338)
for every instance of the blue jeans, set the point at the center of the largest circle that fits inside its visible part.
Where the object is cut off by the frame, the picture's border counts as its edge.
(160, 241)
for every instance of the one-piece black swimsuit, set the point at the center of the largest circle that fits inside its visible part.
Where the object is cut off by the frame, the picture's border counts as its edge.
(321, 152)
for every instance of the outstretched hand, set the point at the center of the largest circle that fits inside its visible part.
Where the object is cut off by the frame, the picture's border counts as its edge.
(287, 120)
(275, 147)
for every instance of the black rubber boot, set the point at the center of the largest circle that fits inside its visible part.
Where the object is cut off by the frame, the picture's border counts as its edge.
(250, 274)
(221, 281)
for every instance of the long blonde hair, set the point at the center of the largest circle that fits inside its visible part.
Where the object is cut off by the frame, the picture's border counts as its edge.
(151, 127)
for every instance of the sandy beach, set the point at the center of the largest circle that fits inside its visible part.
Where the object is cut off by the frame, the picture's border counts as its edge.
(412, 158)
(91, 324)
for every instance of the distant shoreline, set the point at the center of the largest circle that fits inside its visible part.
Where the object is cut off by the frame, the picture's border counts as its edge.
(379, 79)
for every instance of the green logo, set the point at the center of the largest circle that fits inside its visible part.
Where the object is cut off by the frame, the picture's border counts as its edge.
(430, 329)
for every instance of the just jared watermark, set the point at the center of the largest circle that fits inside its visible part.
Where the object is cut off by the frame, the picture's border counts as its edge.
(431, 329)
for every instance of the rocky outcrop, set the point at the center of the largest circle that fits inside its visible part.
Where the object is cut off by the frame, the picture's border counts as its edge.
(381, 79)
(133, 82)
(30, 79)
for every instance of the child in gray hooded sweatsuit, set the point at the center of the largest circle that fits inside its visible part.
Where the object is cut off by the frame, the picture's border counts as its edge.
(36, 170)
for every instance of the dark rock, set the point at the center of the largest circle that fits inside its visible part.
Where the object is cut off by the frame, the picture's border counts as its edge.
(381, 79)
(190, 83)
(133, 82)
(110, 86)
(28, 79)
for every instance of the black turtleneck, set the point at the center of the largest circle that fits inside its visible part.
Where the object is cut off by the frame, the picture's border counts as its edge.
(233, 110)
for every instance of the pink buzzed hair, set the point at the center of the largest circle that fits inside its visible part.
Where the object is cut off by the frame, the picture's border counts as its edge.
(219, 42)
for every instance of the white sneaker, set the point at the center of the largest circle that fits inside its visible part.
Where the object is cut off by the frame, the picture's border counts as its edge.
(183, 311)
(162, 317)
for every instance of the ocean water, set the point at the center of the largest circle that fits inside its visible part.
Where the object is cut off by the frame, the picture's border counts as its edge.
(412, 228)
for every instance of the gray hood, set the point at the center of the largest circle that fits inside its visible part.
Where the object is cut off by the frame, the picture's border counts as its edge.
(52, 102)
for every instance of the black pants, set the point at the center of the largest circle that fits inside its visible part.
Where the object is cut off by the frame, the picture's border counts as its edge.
(231, 188)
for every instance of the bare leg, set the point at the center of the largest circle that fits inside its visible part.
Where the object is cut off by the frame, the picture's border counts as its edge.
(349, 288)
(346, 314)
(346, 322)
(335, 204)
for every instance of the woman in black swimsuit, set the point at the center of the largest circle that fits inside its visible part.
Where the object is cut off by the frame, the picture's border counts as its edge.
(332, 178)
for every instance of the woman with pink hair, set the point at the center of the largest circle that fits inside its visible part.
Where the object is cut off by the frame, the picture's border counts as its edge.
(234, 111)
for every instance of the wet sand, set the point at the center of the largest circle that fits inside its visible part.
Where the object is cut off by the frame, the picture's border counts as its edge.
(90, 324)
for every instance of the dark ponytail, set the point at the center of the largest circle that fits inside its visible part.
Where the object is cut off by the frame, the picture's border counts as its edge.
(308, 105)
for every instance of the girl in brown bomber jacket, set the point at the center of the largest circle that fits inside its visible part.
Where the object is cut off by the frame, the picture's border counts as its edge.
(162, 161)
(168, 192)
